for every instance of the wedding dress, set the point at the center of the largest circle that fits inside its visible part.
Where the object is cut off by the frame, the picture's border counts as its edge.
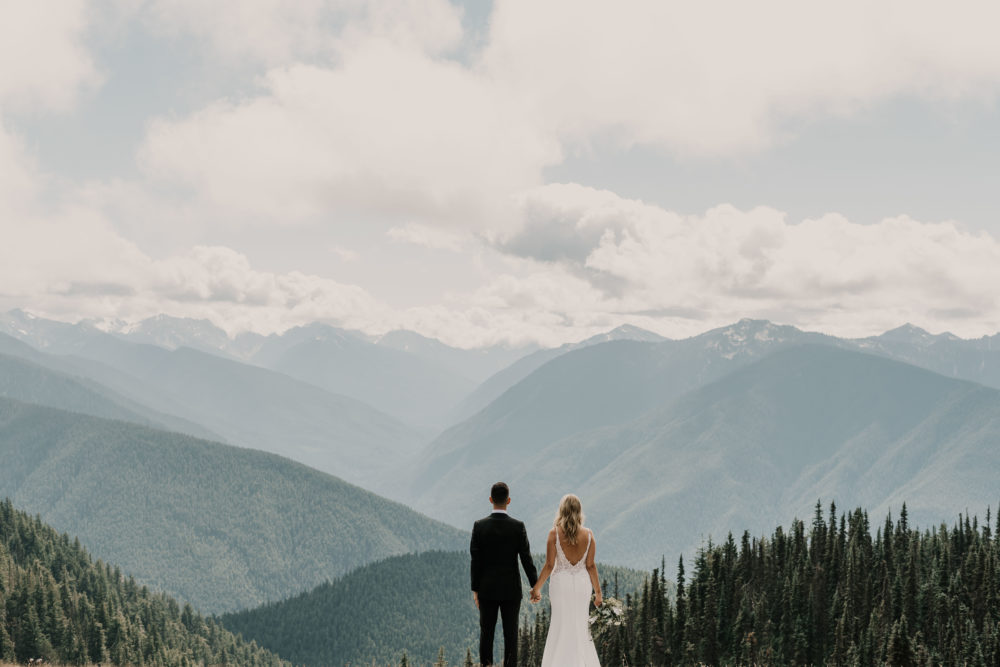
(569, 643)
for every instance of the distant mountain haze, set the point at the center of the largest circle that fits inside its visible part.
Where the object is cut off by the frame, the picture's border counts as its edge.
(591, 387)
(494, 386)
(401, 384)
(35, 377)
(243, 404)
(416, 379)
(221, 527)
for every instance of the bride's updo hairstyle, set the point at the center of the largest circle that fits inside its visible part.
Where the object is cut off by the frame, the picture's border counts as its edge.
(569, 517)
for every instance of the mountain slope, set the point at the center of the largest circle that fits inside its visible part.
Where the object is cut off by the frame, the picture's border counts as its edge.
(243, 404)
(494, 386)
(221, 527)
(475, 364)
(768, 440)
(975, 360)
(417, 603)
(394, 381)
(594, 387)
(58, 605)
(39, 383)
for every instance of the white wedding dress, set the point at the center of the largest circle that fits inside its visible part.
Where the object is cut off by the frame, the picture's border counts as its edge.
(569, 643)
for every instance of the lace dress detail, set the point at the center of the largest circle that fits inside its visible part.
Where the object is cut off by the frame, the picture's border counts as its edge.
(562, 562)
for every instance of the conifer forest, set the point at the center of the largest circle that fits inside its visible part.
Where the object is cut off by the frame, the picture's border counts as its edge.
(58, 605)
(833, 592)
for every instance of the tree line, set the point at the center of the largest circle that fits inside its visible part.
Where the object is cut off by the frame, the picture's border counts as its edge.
(826, 593)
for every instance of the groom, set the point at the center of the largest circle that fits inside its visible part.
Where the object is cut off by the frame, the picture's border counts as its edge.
(497, 542)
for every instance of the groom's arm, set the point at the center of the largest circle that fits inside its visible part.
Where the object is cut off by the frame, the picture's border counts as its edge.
(524, 551)
(477, 561)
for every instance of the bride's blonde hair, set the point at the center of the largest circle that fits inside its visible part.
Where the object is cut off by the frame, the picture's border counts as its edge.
(569, 517)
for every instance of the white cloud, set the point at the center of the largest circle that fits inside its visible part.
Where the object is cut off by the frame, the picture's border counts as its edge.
(391, 134)
(426, 236)
(43, 63)
(363, 117)
(19, 180)
(829, 273)
(718, 78)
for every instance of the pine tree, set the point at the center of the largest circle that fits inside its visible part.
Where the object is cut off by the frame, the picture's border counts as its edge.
(900, 651)
(441, 662)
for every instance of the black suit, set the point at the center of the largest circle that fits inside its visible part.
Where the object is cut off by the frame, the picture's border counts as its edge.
(497, 543)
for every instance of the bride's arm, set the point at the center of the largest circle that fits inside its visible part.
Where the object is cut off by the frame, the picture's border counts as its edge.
(592, 571)
(550, 562)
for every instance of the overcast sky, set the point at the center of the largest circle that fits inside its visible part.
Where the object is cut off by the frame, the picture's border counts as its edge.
(517, 170)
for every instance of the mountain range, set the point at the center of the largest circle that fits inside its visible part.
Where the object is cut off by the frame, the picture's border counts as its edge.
(765, 440)
(208, 395)
(594, 417)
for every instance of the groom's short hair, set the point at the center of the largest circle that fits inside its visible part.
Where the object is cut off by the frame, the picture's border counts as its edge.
(499, 493)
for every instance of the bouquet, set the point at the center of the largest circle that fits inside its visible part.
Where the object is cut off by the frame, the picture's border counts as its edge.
(610, 614)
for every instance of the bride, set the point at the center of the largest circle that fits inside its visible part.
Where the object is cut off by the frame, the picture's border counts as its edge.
(569, 558)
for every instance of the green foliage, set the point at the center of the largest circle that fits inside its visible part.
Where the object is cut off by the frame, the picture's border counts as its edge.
(221, 527)
(59, 605)
(829, 593)
(408, 606)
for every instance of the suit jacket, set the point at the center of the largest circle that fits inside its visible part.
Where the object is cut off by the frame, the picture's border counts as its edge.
(497, 543)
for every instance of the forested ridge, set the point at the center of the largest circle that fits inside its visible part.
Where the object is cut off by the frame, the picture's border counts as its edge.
(59, 605)
(829, 593)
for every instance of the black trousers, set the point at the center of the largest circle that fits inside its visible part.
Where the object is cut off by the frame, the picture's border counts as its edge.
(487, 627)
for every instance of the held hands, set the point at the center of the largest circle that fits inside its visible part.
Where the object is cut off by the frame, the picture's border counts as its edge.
(536, 596)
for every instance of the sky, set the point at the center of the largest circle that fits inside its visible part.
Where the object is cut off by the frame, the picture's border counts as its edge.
(503, 172)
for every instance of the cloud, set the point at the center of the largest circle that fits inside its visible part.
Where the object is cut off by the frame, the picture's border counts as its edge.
(723, 78)
(425, 236)
(728, 263)
(362, 115)
(275, 32)
(43, 62)
(19, 179)
(390, 134)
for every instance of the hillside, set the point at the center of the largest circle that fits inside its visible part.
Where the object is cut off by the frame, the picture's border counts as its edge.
(243, 404)
(417, 603)
(977, 360)
(59, 605)
(495, 385)
(221, 527)
(35, 377)
(757, 447)
(598, 386)
(409, 387)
